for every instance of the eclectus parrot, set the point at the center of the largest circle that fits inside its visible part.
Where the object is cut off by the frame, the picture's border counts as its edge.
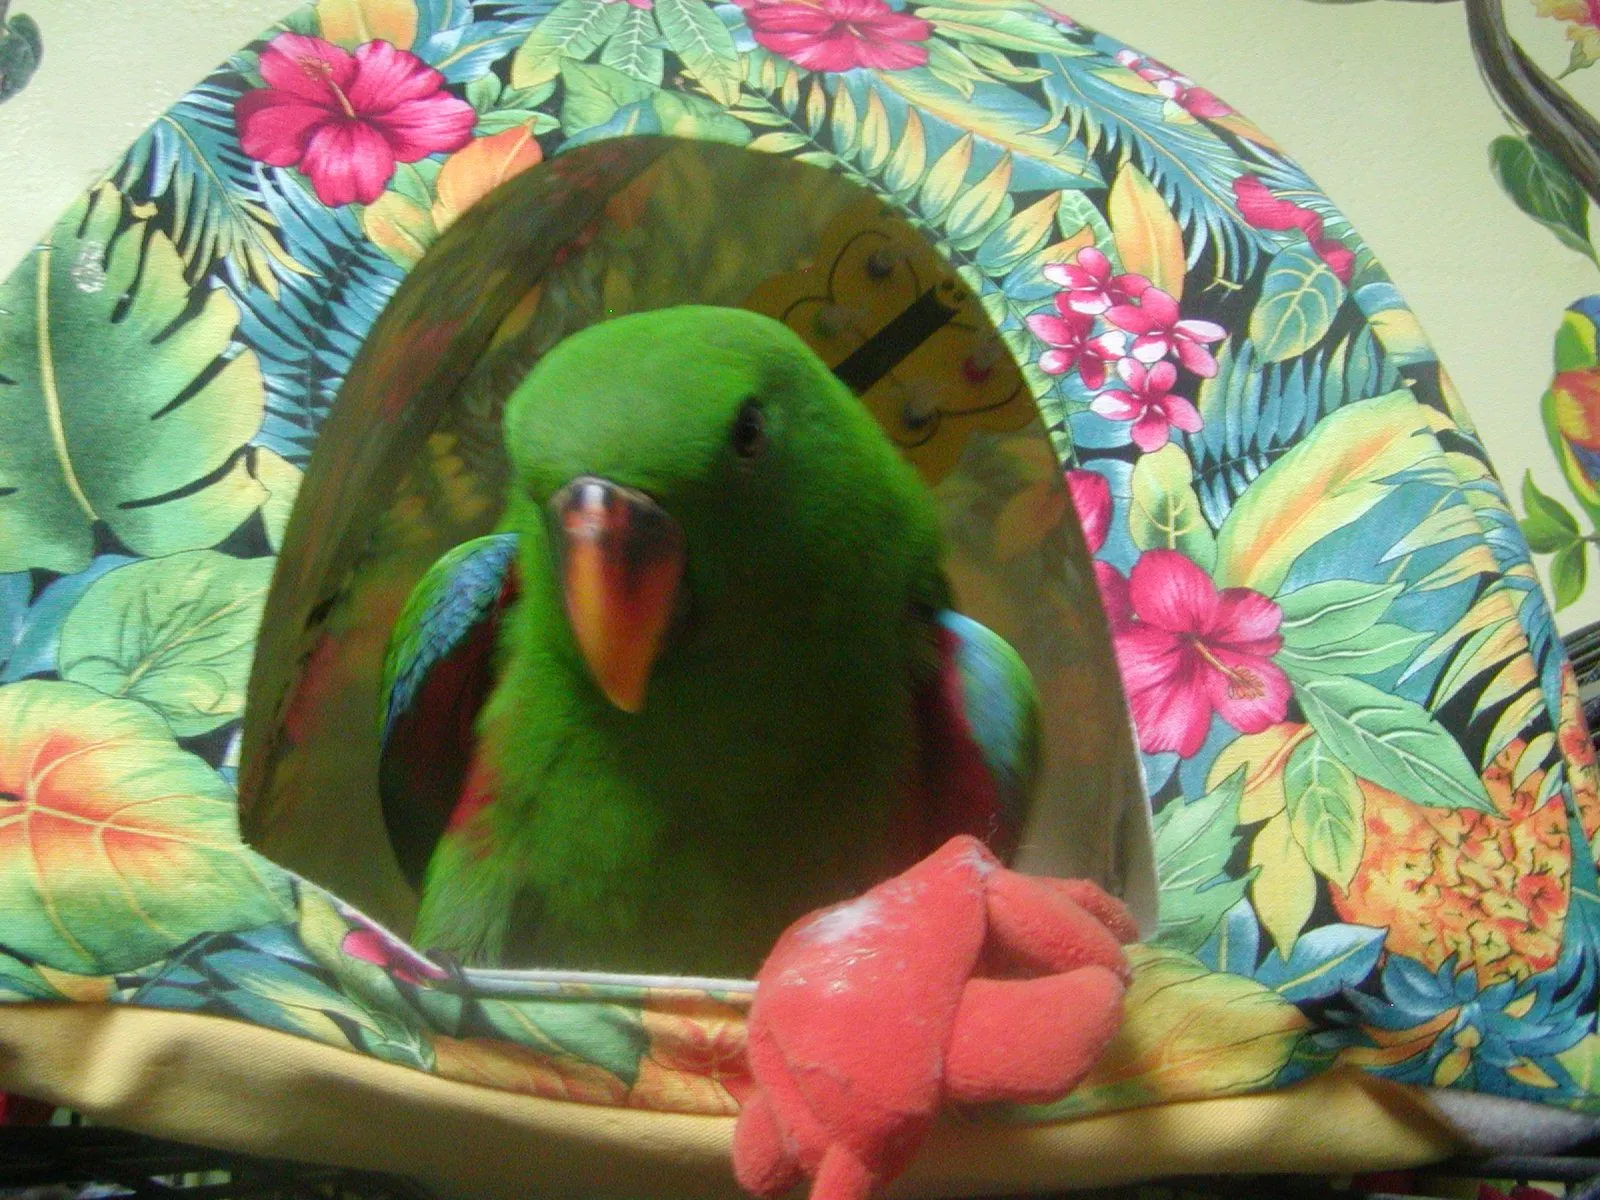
(706, 678)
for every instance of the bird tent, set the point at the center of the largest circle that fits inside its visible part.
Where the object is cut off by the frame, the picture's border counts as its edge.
(1304, 703)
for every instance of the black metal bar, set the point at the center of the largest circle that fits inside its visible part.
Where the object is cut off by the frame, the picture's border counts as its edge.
(152, 1169)
(1550, 1168)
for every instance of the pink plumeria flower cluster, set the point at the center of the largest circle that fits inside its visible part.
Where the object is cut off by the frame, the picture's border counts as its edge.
(1180, 89)
(1148, 401)
(1145, 330)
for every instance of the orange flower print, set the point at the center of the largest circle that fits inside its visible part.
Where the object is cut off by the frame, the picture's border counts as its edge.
(1487, 888)
(696, 1061)
(494, 1063)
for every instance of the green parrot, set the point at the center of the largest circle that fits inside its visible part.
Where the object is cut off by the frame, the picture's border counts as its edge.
(706, 677)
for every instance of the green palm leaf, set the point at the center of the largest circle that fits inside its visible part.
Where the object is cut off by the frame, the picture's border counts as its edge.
(189, 163)
(128, 400)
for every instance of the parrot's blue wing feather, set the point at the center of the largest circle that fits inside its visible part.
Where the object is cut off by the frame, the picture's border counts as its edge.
(1001, 705)
(438, 673)
(979, 723)
(456, 595)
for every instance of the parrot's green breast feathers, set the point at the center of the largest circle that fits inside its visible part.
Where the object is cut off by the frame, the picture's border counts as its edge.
(695, 496)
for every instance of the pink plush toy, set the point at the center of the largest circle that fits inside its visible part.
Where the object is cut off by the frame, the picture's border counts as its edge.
(958, 980)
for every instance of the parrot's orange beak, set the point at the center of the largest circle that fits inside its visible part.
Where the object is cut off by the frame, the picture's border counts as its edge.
(622, 560)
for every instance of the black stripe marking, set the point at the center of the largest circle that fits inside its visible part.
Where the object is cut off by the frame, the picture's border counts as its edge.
(891, 345)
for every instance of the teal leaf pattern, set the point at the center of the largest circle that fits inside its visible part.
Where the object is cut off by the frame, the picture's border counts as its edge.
(1299, 301)
(1324, 962)
(1393, 741)
(1194, 841)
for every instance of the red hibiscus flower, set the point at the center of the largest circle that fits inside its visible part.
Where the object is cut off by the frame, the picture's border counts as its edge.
(1158, 332)
(1262, 210)
(1188, 652)
(838, 35)
(1147, 402)
(346, 119)
(1068, 337)
(1089, 283)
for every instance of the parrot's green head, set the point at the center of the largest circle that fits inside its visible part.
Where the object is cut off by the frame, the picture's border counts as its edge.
(706, 489)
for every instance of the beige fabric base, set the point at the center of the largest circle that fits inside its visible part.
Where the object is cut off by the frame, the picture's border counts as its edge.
(225, 1083)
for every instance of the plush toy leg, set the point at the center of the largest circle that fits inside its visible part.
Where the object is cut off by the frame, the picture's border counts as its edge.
(957, 979)
(1031, 1040)
(762, 1163)
(1105, 908)
(1037, 927)
(843, 1176)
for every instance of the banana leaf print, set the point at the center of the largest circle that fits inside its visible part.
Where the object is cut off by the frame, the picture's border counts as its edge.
(1373, 797)
(191, 157)
(137, 410)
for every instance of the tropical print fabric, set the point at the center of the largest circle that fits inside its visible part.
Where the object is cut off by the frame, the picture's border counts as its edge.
(1374, 796)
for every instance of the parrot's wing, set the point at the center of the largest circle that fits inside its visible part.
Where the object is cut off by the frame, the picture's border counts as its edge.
(439, 671)
(978, 715)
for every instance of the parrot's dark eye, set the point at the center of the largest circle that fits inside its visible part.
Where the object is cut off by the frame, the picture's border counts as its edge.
(749, 435)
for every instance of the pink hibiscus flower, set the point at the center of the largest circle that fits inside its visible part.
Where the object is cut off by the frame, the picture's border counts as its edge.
(1091, 500)
(1147, 402)
(1262, 210)
(1089, 284)
(376, 947)
(1180, 89)
(346, 119)
(1067, 335)
(1158, 332)
(1188, 652)
(838, 35)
